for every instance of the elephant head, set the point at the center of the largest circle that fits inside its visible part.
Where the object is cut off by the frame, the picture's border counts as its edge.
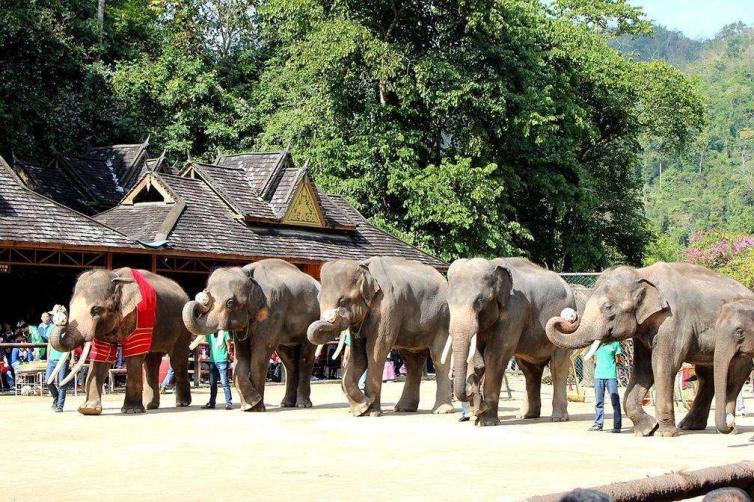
(621, 302)
(231, 300)
(101, 301)
(348, 289)
(478, 293)
(734, 340)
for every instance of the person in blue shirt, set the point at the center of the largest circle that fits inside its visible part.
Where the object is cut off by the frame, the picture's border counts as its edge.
(219, 361)
(606, 377)
(18, 356)
(44, 329)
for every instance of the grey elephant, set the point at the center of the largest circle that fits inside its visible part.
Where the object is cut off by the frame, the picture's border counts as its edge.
(734, 349)
(140, 311)
(499, 308)
(385, 302)
(268, 306)
(669, 309)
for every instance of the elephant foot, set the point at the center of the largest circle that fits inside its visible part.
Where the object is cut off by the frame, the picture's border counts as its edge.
(288, 403)
(487, 421)
(182, 397)
(667, 431)
(90, 409)
(406, 406)
(375, 413)
(359, 409)
(443, 409)
(560, 417)
(132, 408)
(693, 423)
(528, 414)
(153, 405)
(182, 403)
(303, 402)
(645, 426)
(257, 408)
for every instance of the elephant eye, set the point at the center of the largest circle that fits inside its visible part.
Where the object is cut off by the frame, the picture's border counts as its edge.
(97, 311)
(739, 334)
(231, 303)
(341, 302)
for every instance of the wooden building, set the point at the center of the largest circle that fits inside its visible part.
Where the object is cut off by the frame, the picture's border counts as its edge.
(116, 206)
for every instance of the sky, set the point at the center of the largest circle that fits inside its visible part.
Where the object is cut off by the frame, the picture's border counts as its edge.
(697, 18)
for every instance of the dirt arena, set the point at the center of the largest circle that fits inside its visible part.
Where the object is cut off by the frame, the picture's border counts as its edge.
(324, 453)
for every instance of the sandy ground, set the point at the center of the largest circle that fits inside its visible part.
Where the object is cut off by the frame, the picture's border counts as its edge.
(324, 453)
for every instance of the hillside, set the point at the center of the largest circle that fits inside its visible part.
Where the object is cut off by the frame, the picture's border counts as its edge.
(710, 184)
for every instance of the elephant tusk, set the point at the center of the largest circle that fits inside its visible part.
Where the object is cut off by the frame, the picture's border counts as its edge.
(341, 343)
(79, 364)
(592, 349)
(472, 350)
(195, 343)
(446, 350)
(58, 367)
(319, 350)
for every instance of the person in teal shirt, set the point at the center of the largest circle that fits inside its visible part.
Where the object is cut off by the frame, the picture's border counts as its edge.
(606, 376)
(219, 350)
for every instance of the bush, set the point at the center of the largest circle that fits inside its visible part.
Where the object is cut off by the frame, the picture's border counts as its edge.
(729, 253)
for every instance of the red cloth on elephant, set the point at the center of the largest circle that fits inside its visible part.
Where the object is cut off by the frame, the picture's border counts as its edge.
(140, 339)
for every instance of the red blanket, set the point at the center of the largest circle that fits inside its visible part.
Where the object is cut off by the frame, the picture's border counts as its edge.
(140, 339)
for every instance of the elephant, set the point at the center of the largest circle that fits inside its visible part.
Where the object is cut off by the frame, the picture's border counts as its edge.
(498, 309)
(116, 307)
(669, 310)
(381, 303)
(734, 349)
(268, 306)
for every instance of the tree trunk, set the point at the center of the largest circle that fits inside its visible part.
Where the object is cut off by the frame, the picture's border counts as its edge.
(101, 18)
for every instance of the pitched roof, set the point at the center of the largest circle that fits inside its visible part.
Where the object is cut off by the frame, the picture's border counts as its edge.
(91, 182)
(208, 224)
(27, 216)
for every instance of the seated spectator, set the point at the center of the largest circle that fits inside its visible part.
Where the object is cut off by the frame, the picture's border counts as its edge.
(6, 374)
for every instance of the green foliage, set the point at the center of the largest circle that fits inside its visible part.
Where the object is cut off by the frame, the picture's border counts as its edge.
(729, 253)
(488, 128)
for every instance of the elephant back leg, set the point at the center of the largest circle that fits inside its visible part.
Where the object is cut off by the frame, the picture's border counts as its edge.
(665, 370)
(639, 383)
(532, 406)
(260, 362)
(305, 363)
(739, 370)
(151, 393)
(415, 362)
(95, 380)
(289, 357)
(134, 385)
(560, 363)
(696, 418)
(179, 363)
(443, 400)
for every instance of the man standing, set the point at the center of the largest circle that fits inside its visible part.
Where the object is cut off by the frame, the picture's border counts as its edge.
(58, 393)
(219, 349)
(43, 333)
(606, 376)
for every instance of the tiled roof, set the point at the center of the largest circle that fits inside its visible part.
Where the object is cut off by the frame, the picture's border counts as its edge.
(232, 183)
(26, 216)
(54, 184)
(121, 157)
(99, 177)
(257, 166)
(209, 225)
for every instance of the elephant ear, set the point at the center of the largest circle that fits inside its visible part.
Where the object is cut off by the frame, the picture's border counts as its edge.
(648, 301)
(258, 308)
(126, 294)
(367, 283)
(503, 286)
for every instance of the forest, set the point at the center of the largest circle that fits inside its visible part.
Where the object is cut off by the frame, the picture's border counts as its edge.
(570, 131)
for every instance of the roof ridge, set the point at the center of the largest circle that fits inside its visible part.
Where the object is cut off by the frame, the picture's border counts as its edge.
(278, 152)
(212, 185)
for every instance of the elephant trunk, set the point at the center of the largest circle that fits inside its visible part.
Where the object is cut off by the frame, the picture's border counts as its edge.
(723, 357)
(66, 338)
(320, 332)
(463, 331)
(196, 320)
(570, 334)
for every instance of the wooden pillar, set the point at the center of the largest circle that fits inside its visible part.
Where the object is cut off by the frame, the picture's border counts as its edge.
(109, 261)
(154, 263)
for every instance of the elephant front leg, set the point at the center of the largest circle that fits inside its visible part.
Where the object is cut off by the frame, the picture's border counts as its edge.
(443, 394)
(664, 372)
(134, 385)
(639, 383)
(354, 366)
(532, 406)
(179, 363)
(305, 362)
(289, 356)
(250, 398)
(152, 374)
(487, 414)
(696, 418)
(260, 362)
(559, 366)
(414, 362)
(95, 380)
(738, 371)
